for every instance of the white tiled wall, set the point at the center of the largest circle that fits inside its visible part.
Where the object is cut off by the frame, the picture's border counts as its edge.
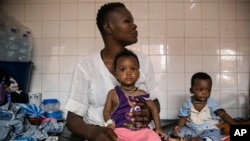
(180, 36)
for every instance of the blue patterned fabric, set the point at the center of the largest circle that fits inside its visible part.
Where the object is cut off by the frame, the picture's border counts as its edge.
(33, 111)
(13, 127)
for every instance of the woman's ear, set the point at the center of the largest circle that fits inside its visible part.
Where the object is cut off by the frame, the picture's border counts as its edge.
(106, 27)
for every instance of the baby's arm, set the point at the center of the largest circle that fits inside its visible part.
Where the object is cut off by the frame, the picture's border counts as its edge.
(155, 113)
(108, 109)
(181, 122)
(225, 117)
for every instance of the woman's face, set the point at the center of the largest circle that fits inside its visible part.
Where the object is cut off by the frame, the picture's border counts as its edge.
(122, 26)
(127, 70)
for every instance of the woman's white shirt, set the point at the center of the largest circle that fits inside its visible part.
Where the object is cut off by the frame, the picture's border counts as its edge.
(92, 81)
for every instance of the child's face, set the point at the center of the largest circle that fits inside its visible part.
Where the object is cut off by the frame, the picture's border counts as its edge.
(127, 70)
(201, 89)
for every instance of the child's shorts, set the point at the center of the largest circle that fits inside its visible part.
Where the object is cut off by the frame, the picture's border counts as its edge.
(213, 134)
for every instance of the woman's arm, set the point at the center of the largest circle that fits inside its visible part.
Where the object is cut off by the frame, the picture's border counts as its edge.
(78, 127)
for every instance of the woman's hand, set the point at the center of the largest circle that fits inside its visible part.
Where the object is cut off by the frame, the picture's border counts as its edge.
(104, 134)
(142, 117)
(90, 132)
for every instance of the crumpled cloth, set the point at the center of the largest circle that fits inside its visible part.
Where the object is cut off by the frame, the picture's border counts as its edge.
(15, 127)
(11, 121)
(42, 132)
(11, 111)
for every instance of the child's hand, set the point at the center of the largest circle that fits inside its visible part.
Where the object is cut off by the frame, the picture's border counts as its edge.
(177, 129)
(112, 126)
(162, 134)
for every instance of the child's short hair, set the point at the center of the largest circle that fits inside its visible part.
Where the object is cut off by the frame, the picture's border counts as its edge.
(200, 75)
(127, 53)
